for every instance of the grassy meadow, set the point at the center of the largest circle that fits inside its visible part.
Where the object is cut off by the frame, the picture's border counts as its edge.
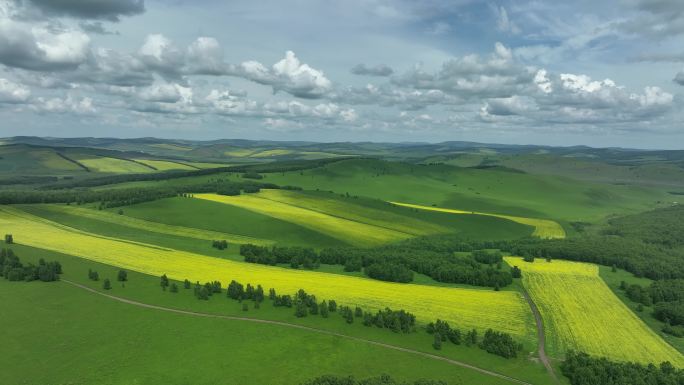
(471, 308)
(543, 228)
(67, 306)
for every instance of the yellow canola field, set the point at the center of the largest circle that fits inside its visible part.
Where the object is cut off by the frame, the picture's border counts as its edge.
(467, 308)
(581, 312)
(543, 228)
(356, 233)
(181, 231)
(354, 212)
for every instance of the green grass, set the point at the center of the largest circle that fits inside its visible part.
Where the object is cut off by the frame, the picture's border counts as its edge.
(112, 165)
(124, 342)
(486, 190)
(135, 234)
(200, 214)
(56, 211)
(613, 280)
(351, 231)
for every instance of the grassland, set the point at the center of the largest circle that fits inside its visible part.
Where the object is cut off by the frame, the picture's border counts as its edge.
(581, 312)
(68, 344)
(213, 216)
(112, 165)
(483, 190)
(128, 345)
(165, 165)
(347, 209)
(543, 228)
(353, 232)
(123, 220)
(479, 309)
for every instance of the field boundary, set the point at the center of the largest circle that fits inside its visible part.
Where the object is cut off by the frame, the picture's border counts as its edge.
(301, 327)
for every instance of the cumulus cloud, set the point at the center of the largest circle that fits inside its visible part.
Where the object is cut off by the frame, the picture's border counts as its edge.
(39, 48)
(378, 70)
(11, 92)
(287, 75)
(161, 55)
(68, 104)
(474, 77)
(110, 10)
(205, 57)
(577, 98)
(161, 93)
(112, 68)
(389, 96)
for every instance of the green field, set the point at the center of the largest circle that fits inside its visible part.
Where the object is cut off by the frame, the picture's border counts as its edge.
(543, 228)
(218, 217)
(581, 312)
(108, 321)
(470, 308)
(434, 215)
(483, 190)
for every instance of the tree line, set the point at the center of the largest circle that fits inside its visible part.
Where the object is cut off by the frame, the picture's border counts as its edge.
(583, 369)
(395, 263)
(13, 269)
(127, 196)
(494, 342)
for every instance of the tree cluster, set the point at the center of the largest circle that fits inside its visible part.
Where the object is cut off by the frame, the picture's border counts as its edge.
(394, 263)
(583, 369)
(494, 342)
(399, 321)
(13, 269)
(294, 256)
(221, 245)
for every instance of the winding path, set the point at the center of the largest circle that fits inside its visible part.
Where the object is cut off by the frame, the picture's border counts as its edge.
(312, 329)
(541, 336)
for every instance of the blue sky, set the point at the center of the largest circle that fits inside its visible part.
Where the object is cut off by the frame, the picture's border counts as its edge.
(601, 73)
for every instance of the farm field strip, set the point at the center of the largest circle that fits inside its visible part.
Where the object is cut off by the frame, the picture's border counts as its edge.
(188, 232)
(467, 308)
(353, 212)
(543, 228)
(581, 312)
(164, 165)
(356, 233)
(112, 165)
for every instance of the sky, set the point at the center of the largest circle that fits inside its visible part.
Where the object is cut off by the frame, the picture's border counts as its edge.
(598, 73)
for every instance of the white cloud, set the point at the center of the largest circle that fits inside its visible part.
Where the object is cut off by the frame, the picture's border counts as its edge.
(68, 104)
(11, 92)
(36, 46)
(288, 75)
(161, 93)
(205, 56)
(160, 54)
